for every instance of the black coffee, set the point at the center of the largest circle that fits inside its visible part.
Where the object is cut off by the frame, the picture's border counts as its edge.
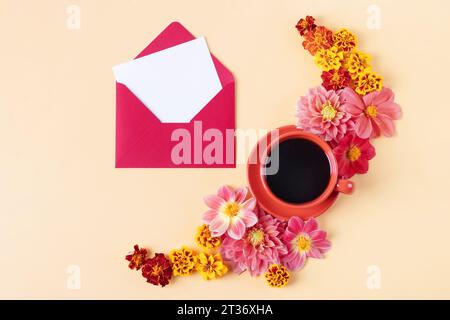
(303, 174)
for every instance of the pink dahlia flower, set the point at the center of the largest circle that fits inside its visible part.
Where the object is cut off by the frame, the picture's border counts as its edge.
(321, 112)
(260, 247)
(229, 212)
(373, 114)
(353, 155)
(303, 240)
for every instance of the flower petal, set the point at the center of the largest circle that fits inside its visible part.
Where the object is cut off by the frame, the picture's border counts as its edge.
(361, 166)
(250, 204)
(386, 125)
(295, 261)
(295, 225)
(236, 229)
(241, 194)
(249, 218)
(209, 216)
(219, 226)
(322, 245)
(226, 193)
(384, 95)
(315, 253)
(318, 235)
(363, 127)
(351, 97)
(390, 109)
(310, 225)
(213, 201)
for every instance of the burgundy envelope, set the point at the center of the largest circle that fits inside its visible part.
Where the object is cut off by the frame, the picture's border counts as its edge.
(143, 141)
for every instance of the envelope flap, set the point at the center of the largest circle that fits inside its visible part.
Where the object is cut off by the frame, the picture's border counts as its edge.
(175, 34)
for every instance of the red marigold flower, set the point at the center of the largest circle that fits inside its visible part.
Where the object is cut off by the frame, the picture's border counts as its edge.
(137, 258)
(321, 37)
(306, 25)
(336, 79)
(157, 270)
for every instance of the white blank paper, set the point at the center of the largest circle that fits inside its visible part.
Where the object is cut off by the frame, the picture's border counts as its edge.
(175, 83)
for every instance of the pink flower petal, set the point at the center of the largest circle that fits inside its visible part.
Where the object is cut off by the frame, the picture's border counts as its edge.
(351, 97)
(209, 216)
(368, 98)
(250, 204)
(236, 229)
(310, 226)
(390, 109)
(219, 226)
(295, 225)
(249, 218)
(318, 235)
(213, 201)
(226, 193)
(363, 127)
(315, 253)
(295, 262)
(241, 194)
(386, 125)
(322, 245)
(288, 236)
(384, 95)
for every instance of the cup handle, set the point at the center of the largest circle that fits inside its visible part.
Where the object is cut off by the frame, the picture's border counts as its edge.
(345, 186)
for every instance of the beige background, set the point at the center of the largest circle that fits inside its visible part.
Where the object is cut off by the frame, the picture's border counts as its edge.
(62, 203)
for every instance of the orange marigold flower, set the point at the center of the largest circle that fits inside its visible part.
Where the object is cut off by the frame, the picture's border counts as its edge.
(367, 82)
(277, 276)
(157, 270)
(320, 38)
(306, 25)
(336, 79)
(137, 258)
(204, 238)
(183, 261)
(344, 40)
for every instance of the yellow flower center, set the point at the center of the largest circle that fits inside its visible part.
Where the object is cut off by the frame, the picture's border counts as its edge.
(255, 236)
(353, 153)
(156, 270)
(328, 112)
(231, 209)
(137, 259)
(371, 111)
(303, 244)
(335, 78)
(318, 38)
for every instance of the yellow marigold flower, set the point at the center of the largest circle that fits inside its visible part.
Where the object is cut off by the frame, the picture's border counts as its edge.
(204, 238)
(344, 40)
(183, 261)
(367, 82)
(277, 276)
(329, 59)
(356, 63)
(210, 266)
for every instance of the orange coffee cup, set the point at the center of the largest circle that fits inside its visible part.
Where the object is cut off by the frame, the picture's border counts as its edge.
(278, 207)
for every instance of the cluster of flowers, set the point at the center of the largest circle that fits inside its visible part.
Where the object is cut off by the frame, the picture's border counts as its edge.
(255, 241)
(239, 235)
(181, 262)
(351, 106)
